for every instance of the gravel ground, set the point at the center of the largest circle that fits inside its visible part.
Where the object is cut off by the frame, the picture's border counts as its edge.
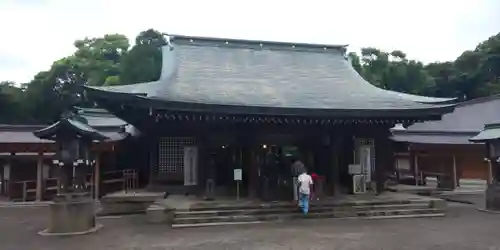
(463, 228)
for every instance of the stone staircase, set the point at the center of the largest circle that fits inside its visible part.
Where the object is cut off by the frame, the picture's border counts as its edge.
(233, 215)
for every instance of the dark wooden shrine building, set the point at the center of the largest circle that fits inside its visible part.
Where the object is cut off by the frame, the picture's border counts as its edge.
(224, 104)
(442, 148)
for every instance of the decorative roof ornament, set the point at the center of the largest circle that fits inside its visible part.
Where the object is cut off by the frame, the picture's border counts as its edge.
(398, 127)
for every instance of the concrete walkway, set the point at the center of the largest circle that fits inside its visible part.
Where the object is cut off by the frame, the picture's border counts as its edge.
(464, 228)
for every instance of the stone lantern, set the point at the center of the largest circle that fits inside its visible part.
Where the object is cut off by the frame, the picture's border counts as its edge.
(73, 210)
(491, 136)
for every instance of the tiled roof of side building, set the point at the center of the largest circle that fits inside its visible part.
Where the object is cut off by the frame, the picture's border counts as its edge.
(217, 71)
(457, 127)
(108, 124)
(101, 118)
(491, 132)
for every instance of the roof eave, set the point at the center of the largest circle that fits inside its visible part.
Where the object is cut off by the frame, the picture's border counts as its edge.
(142, 101)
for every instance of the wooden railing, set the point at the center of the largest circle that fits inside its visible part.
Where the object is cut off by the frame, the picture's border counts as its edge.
(22, 190)
(116, 180)
(127, 179)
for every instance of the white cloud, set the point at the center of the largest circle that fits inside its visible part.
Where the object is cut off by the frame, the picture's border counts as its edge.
(39, 32)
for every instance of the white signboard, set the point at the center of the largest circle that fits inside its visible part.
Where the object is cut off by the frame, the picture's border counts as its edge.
(238, 175)
(366, 162)
(6, 172)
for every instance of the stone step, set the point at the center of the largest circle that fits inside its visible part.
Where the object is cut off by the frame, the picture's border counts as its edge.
(291, 205)
(215, 224)
(313, 209)
(297, 214)
(375, 217)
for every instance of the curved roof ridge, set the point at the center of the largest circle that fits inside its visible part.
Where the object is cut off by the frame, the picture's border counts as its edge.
(251, 43)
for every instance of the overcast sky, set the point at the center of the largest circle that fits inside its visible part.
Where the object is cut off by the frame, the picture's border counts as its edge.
(34, 33)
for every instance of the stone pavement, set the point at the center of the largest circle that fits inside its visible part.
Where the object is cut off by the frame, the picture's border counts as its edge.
(464, 228)
(477, 199)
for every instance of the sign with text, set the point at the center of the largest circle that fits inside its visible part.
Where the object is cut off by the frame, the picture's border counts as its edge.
(238, 174)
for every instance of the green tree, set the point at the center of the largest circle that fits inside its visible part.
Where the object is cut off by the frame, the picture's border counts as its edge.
(11, 102)
(475, 73)
(144, 61)
(100, 58)
(392, 71)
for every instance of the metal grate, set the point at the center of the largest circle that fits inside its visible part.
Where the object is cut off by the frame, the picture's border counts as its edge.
(171, 153)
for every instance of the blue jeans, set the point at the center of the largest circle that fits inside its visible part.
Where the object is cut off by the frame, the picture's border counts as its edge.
(304, 202)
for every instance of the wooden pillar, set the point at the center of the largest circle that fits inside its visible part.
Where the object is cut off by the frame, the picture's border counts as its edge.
(334, 151)
(383, 158)
(6, 177)
(247, 162)
(203, 152)
(39, 177)
(414, 165)
(2, 180)
(380, 162)
(97, 175)
(418, 176)
(490, 172)
(153, 145)
(455, 180)
(253, 177)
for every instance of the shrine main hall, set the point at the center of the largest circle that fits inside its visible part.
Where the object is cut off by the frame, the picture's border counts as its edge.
(226, 104)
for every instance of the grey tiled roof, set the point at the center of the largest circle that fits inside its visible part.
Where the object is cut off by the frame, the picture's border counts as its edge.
(469, 116)
(267, 74)
(24, 134)
(74, 124)
(464, 122)
(100, 119)
(490, 132)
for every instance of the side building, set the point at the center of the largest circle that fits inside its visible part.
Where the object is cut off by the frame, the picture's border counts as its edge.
(26, 168)
(441, 150)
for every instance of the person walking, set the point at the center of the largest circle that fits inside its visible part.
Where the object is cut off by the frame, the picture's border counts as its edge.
(305, 182)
